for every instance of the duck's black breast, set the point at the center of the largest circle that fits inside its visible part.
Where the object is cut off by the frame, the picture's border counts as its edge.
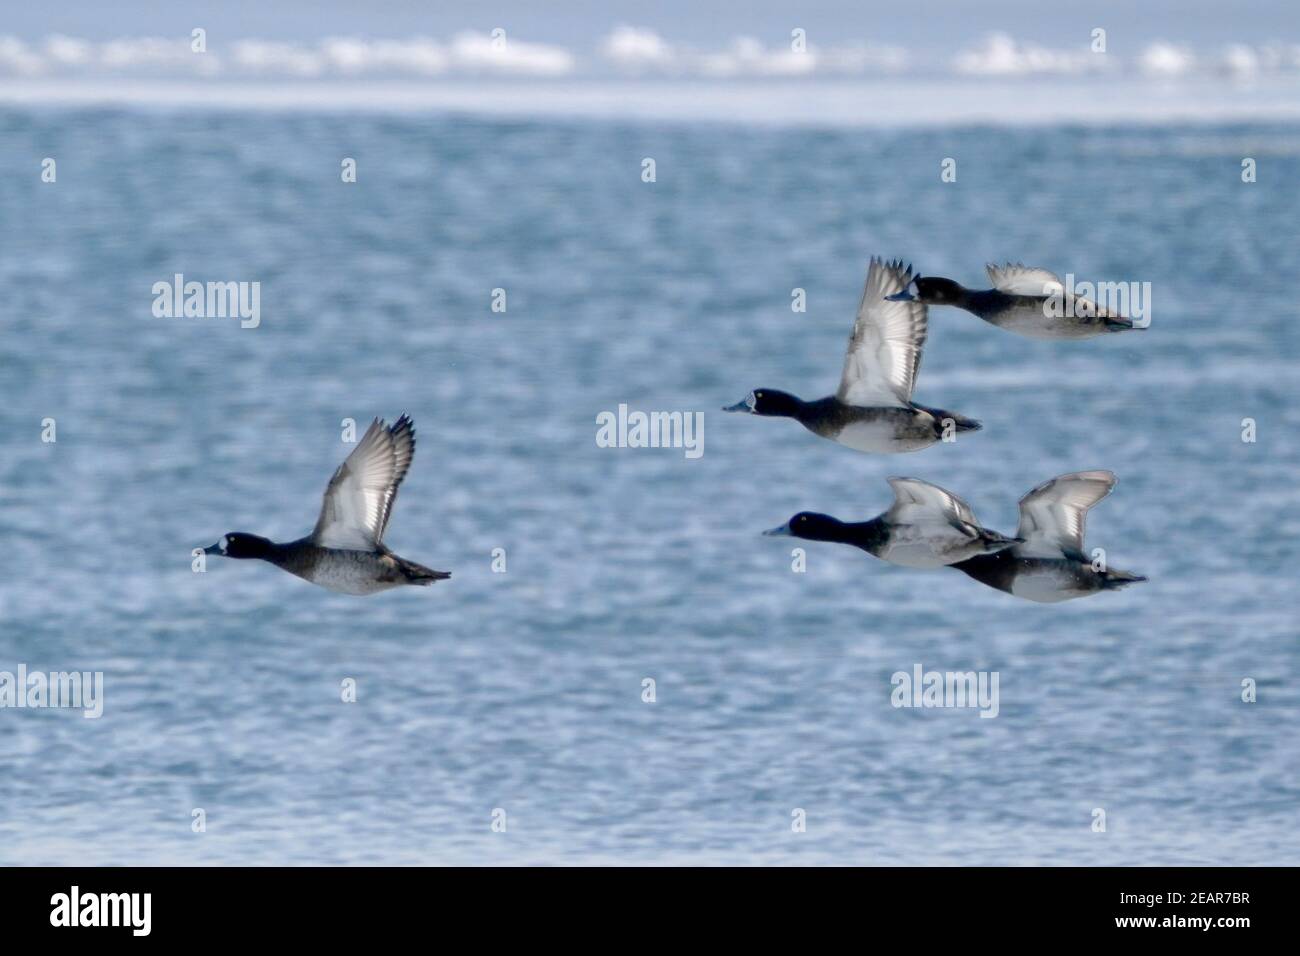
(826, 416)
(996, 570)
(991, 302)
(302, 557)
(871, 536)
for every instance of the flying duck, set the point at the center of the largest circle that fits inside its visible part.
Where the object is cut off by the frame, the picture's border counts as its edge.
(927, 527)
(1028, 301)
(345, 552)
(1049, 565)
(873, 409)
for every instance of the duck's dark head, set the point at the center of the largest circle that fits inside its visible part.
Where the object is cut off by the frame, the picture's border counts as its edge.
(768, 401)
(930, 290)
(237, 544)
(811, 525)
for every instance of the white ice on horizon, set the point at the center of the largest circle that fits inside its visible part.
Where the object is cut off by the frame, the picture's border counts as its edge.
(626, 50)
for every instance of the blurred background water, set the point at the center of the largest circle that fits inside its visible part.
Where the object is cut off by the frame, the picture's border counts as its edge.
(522, 690)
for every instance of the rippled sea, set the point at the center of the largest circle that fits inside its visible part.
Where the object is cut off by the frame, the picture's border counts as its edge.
(522, 691)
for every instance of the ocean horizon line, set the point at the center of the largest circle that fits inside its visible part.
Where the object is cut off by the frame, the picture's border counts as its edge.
(856, 102)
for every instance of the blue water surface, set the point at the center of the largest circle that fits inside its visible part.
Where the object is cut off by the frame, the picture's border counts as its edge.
(522, 691)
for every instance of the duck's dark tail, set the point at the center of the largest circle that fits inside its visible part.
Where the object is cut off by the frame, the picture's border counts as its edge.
(1112, 580)
(959, 422)
(419, 574)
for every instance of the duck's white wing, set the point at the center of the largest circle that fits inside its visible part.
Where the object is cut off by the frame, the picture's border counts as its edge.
(1052, 515)
(916, 500)
(885, 348)
(360, 496)
(1016, 279)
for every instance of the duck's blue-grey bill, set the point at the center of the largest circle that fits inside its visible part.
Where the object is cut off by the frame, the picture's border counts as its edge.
(738, 407)
(903, 296)
(213, 548)
(782, 532)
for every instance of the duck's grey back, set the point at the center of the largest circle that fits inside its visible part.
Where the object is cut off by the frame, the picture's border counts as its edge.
(347, 572)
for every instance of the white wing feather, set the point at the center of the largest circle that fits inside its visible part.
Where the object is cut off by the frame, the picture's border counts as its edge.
(1052, 515)
(916, 501)
(359, 498)
(1017, 279)
(884, 351)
